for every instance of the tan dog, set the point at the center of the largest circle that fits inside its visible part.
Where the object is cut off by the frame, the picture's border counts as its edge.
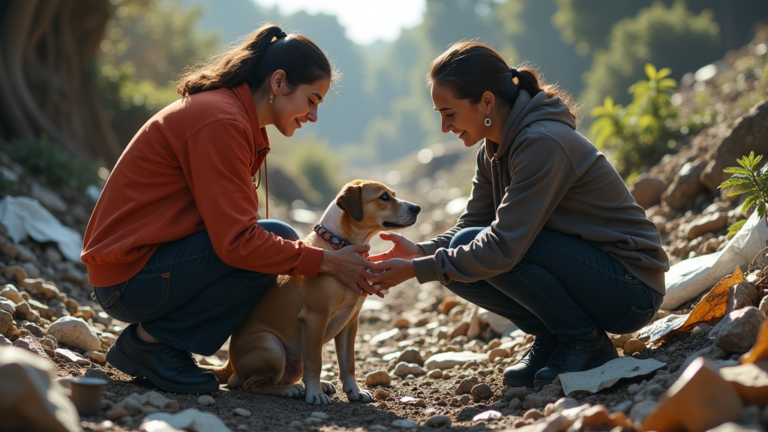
(281, 340)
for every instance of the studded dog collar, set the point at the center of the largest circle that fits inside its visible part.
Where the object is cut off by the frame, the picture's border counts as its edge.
(335, 241)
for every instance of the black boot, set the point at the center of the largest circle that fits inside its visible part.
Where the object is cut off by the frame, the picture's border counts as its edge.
(577, 354)
(170, 369)
(521, 373)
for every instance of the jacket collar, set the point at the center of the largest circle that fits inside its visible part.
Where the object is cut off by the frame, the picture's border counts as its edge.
(243, 93)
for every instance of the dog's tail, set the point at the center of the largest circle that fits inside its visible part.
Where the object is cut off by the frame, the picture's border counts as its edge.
(224, 372)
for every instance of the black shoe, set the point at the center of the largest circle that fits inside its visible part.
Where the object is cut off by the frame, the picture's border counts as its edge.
(521, 373)
(577, 354)
(170, 369)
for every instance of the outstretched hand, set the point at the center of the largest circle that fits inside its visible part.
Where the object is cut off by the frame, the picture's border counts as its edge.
(391, 273)
(402, 248)
(351, 269)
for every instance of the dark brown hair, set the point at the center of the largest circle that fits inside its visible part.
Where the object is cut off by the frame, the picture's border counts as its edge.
(469, 69)
(261, 53)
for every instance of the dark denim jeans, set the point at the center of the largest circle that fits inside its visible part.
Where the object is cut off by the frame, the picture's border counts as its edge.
(186, 296)
(563, 286)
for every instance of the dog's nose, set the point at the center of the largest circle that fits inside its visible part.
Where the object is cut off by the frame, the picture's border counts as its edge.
(414, 208)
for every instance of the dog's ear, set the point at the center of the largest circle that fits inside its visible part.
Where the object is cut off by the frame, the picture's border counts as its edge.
(351, 201)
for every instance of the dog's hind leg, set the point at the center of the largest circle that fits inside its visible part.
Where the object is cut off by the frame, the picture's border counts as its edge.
(262, 368)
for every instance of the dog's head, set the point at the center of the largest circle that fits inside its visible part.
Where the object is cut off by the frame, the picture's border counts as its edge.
(372, 206)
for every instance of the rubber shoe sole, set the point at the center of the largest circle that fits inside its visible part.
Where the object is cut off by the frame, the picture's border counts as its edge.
(601, 361)
(517, 382)
(128, 366)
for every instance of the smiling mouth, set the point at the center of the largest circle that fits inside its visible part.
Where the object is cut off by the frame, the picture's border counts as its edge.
(298, 123)
(459, 135)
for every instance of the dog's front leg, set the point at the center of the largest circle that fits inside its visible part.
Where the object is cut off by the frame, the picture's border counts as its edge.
(345, 352)
(313, 327)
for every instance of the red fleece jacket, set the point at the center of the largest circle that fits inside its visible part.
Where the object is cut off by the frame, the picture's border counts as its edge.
(189, 169)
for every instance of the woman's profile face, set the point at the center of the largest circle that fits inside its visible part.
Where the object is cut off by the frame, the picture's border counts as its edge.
(459, 116)
(294, 107)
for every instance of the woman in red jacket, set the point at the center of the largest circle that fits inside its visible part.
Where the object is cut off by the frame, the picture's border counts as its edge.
(174, 245)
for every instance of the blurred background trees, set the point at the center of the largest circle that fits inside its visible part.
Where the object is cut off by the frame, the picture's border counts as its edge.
(85, 74)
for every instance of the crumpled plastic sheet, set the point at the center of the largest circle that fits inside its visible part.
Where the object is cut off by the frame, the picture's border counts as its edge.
(25, 216)
(689, 278)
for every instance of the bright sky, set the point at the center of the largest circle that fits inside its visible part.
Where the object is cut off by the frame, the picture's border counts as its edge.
(365, 20)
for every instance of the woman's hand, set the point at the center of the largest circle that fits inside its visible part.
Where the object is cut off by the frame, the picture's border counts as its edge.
(402, 248)
(350, 268)
(391, 273)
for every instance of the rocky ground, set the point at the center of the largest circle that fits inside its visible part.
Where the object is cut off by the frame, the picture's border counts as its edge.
(431, 359)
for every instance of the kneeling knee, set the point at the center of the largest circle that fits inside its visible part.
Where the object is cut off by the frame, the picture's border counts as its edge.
(280, 229)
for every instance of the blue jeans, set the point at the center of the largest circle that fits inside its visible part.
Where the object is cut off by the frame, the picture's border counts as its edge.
(186, 296)
(563, 286)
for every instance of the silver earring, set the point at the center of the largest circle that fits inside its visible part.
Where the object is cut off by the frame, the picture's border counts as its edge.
(487, 121)
(271, 97)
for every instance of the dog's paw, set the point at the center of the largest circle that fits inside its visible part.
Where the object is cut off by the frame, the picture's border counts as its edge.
(359, 395)
(328, 387)
(294, 392)
(317, 399)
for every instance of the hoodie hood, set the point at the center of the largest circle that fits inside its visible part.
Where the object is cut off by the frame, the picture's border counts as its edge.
(527, 110)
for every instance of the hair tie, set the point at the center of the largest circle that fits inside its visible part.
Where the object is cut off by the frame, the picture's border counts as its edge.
(514, 71)
(280, 35)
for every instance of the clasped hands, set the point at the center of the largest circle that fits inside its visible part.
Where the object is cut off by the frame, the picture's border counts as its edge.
(382, 271)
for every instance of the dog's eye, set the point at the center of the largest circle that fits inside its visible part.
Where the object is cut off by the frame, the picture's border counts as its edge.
(384, 196)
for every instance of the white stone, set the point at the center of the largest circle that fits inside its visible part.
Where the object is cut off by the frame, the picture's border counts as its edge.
(7, 305)
(242, 412)
(158, 426)
(11, 293)
(192, 420)
(206, 400)
(594, 380)
(447, 360)
(76, 333)
(71, 356)
(158, 401)
(319, 414)
(381, 337)
(403, 369)
(405, 424)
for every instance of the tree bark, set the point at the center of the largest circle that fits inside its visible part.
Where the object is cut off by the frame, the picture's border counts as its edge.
(46, 83)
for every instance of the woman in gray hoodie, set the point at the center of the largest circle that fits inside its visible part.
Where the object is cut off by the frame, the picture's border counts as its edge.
(551, 238)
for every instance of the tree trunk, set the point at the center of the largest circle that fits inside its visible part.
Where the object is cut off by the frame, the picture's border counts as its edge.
(46, 78)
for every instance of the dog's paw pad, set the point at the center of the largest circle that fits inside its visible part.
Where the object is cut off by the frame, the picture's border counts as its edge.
(328, 387)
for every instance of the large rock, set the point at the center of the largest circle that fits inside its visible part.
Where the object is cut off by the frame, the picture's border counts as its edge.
(30, 397)
(699, 400)
(742, 295)
(705, 224)
(685, 186)
(737, 331)
(6, 324)
(647, 190)
(749, 133)
(76, 333)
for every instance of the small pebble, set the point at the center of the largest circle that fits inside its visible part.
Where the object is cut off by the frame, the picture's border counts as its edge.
(206, 400)
(242, 412)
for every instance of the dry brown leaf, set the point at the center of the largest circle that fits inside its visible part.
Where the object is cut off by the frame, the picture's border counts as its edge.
(711, 308)
(759, 351)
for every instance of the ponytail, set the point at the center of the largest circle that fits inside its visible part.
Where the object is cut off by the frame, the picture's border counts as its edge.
(469, 69)
(261, 53)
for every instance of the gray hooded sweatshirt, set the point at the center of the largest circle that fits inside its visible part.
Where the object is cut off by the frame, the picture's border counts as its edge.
(544, 174)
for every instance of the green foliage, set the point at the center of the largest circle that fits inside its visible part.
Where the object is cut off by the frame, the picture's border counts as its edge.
(672, 36)
(734, 229)
(641, 133)
(50, 161)
(313, 161)
(747, 178)
(146, 45)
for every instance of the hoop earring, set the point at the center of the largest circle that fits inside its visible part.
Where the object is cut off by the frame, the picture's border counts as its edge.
(487, 121)
(271, 97)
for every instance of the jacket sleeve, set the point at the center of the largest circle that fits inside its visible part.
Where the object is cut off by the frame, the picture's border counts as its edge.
(216, 160)
(541, 175)
(479, 212)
